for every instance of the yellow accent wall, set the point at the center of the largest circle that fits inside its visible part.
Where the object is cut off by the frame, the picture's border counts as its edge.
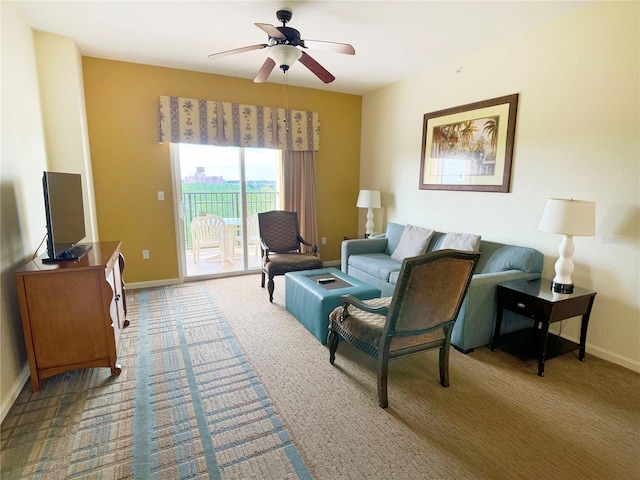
(130, 166)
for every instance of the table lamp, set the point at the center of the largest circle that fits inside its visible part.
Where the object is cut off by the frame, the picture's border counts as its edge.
(570, 218)
(368, 199)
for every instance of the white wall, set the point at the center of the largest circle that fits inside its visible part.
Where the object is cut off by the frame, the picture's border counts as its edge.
(22, 162)
(65, 119)
(43, 127)
(577, 136)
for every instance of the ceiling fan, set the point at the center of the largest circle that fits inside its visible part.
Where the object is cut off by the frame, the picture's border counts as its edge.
(283, 50)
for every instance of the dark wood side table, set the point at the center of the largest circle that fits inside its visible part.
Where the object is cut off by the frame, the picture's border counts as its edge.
(534, 299)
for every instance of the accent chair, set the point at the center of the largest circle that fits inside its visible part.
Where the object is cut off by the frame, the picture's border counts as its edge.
(280, 243)
(419, 316)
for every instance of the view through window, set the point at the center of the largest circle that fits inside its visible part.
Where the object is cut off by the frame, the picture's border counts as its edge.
(222, 190)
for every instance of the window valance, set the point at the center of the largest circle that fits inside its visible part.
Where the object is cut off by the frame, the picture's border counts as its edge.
(207, 122)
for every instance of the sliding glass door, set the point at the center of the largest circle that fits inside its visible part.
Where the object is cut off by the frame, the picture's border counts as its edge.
(219, 191)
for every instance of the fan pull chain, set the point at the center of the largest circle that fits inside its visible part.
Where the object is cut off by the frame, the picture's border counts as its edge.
(286, 101)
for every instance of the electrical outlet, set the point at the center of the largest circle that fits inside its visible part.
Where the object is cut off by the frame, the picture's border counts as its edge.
(160, 195)
(145, 254)
(324, 240)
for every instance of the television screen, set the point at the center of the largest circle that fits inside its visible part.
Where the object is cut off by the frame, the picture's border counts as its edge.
(65, 215)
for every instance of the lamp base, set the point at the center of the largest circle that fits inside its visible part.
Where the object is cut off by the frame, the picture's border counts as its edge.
(369, 224)
(562, 287)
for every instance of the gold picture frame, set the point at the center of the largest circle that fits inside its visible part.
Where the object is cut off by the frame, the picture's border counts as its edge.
(469, 148)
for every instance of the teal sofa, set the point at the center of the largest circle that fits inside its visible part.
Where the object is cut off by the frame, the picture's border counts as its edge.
(370, 260)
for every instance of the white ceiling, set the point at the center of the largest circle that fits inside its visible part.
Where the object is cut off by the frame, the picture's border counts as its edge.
(393, 40)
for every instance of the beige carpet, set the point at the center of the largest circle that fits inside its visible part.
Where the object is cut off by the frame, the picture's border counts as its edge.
(497, 420)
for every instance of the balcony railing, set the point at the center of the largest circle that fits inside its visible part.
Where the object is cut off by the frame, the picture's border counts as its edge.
(225, 205)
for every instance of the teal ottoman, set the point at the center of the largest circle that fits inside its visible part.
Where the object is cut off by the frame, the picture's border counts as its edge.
(312, 302)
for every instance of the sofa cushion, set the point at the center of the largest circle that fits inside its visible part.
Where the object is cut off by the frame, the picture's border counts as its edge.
(460, 241)
(510, 257)
(378, 265)
(413, 242)
(393, 234)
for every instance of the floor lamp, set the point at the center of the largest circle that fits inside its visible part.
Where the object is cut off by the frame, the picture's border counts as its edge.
(570, 218)
(369, 199)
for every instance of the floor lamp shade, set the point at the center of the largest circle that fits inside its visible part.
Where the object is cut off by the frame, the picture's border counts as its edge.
(569, 218)
(369, 199)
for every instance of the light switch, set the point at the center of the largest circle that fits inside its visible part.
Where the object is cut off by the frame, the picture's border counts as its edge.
(160, 195)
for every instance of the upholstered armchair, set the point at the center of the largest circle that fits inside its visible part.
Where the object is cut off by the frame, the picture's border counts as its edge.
(280, 243)
(419, 316)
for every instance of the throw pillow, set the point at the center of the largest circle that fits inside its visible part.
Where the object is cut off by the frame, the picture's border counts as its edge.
(413, 242)
(460, 241)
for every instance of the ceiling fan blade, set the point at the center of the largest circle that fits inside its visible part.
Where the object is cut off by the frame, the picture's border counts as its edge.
(237, 50)
(271, 30)
(317, 69)
(330, 46)
(265, 70)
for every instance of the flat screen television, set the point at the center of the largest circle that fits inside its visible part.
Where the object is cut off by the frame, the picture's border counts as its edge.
(65, 216)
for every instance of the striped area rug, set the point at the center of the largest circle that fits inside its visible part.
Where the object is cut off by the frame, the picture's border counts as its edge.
(187, 405)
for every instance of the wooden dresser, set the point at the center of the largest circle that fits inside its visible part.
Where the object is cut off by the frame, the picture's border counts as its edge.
(73, 312)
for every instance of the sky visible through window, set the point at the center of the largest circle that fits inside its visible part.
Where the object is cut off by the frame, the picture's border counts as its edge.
(260, 163)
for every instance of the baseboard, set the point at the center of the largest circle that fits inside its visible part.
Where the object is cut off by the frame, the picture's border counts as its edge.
(613, 358)
(332, 263)
(607, 355)
(153, 284)
(15, 391)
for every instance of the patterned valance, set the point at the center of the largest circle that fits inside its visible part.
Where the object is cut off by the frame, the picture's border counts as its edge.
(188, 120)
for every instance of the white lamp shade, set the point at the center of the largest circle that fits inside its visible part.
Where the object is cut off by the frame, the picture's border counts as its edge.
(368, 199)
(284, 55)
(569, 217)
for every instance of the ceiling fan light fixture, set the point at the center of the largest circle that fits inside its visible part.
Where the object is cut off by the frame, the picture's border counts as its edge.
(284, 55)
(283, 51)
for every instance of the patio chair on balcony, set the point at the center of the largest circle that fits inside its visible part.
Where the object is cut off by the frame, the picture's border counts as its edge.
(208, 231)
(253, 234)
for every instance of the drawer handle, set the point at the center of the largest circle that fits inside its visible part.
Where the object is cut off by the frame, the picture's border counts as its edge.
(521, 305)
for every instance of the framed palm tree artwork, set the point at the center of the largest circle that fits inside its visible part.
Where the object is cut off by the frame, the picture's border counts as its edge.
(470, 147)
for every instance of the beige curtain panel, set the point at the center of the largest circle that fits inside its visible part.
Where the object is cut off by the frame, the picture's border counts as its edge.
(299, 193)
(207, 122)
